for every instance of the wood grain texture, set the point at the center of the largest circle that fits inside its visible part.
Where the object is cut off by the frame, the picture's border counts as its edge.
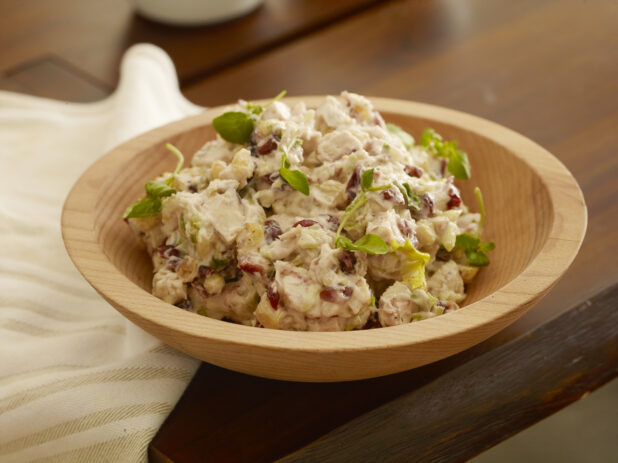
(51, 78)
(535, 246)
(473, 407)
(454, 408)
(92, 35)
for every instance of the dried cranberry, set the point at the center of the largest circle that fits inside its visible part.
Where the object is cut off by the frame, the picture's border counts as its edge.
(414, 171)
(272, 230)
(404, 227)
(252, 268)
(267, 147)
(353, 184)
(272, 294)
(443, 165)
(394, 195)
(427, 204)
(454, 198)
(304, 223)
(204, 271)
(347, 262)
(173, 263)
(166, 252)
(192, 188)
(334, 295)
(330, 295)
(454, 202)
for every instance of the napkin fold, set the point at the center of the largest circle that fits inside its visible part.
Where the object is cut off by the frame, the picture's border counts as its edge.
(78, 382)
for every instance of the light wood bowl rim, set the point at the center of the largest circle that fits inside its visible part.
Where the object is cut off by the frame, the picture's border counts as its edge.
(507, 303)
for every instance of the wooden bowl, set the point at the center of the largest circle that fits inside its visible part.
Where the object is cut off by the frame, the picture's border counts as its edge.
(535, 213)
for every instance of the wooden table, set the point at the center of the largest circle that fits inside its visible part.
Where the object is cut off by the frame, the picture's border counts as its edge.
(545, 68)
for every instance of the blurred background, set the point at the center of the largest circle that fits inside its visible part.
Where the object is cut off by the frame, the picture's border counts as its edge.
(545, 68)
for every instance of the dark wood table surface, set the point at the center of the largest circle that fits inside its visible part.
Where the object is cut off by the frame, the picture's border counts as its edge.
(545, 68)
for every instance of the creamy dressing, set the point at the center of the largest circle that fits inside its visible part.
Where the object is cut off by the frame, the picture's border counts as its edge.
(237, 242)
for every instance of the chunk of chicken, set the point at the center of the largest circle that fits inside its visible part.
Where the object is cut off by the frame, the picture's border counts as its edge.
(446, 283)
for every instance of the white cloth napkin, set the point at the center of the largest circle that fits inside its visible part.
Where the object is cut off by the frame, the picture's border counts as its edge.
(78, 382)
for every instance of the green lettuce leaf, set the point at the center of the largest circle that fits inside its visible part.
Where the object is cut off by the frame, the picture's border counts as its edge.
(414, 261)
(369, 243)
(234, 126)
(458, 164)
(295, 178)
(159, 189)
(147, 207)
(367, 179)
(156, 190)
(474, 249)
(404, 136)
(409, 195)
